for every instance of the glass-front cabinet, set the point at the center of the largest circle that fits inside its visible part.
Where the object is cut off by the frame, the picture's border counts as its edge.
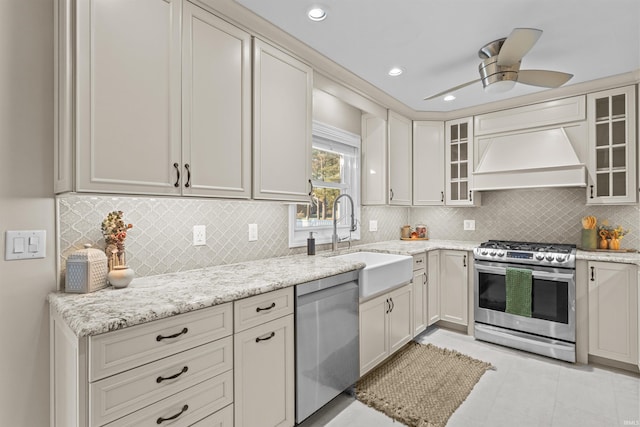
(459, 164)
(612, 147)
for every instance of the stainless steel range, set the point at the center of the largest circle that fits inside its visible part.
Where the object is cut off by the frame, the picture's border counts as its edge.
(549, 327)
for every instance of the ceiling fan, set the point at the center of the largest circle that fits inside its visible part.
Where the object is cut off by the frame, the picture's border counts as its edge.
(500, 66)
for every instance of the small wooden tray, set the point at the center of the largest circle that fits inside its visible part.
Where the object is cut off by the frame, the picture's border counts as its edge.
(414, 238)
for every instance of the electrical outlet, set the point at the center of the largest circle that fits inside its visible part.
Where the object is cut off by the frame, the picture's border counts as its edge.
(199, 235)
(253, 232)
(373, 225)
(469, 224)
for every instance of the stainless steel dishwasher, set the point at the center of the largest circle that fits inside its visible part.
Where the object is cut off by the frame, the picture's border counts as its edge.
(327, 341)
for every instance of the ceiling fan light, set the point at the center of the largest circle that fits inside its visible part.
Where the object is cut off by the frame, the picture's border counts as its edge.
(500, 86)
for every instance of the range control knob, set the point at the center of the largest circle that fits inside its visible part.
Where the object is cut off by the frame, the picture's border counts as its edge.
(500, 253)
(484, 252)
(549, 257)
(561, 258)
(492, 253)
(539, 256)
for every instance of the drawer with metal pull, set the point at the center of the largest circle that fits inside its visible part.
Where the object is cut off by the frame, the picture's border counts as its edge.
(419, 261)
(117, 351)
(186, 407)
(124, 393)
(253, 311)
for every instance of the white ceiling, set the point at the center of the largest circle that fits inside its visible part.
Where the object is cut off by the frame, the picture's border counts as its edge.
(436, 41)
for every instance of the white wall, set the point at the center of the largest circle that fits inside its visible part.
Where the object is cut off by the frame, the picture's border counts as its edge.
(26, 202)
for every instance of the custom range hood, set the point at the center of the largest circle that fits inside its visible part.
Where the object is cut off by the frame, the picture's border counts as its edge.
(535, 159)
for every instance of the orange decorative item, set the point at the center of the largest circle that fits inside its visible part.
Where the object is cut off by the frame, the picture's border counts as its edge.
(614, 244)
(603, 241)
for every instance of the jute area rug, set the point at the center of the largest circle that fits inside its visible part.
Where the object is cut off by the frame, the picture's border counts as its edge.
(421, 385)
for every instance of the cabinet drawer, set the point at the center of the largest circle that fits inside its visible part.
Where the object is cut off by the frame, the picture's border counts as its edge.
(129, 348)
(186, 408)
(420, 261)
(262, 308)
(122, 394)
(222, 418)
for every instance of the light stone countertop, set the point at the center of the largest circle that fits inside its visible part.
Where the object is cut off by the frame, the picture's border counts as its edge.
(156, 297)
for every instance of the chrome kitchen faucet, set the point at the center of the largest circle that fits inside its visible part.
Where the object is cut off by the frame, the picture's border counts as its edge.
(334, 238)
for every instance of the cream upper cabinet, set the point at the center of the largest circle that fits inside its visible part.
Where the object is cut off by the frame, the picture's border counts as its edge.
(374, 160)
(454, 278)
(612, 147)
(282, 100)
(428, 163)
(400, 159)
(459, 163)
(166, 110)
(127, 115)
(613, 311)
(216, 106)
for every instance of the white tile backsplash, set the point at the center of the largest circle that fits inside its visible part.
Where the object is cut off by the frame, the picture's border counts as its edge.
(161, 239)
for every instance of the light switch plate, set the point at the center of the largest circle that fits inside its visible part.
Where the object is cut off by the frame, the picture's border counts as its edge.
(469, 224)
(25, 244)
(373, 225)
(199, 235)
(253, 232)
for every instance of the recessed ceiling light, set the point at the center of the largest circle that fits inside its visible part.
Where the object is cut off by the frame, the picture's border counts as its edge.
(449, 98)
(317, 14)
(395, 71)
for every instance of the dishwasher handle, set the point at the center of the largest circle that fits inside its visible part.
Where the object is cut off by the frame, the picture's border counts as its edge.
(312, 297)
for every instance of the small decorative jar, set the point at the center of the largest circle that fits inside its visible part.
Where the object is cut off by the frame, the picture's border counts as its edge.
(86, 270)
(405, 232)
(614, 244)
(120, 276)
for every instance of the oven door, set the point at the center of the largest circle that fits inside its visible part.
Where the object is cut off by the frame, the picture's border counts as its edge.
(553, 300)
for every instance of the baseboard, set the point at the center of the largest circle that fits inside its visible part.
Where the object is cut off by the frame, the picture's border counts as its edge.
(598, 360)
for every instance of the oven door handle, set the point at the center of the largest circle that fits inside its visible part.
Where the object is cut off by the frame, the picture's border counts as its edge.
(540, 274)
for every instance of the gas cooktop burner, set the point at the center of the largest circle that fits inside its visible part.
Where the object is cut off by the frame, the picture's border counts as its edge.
(550, 254)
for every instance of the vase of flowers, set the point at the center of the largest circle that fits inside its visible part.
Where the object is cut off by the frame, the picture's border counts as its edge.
(114, 231)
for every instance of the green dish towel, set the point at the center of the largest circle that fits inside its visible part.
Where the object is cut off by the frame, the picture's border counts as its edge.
(518, 287)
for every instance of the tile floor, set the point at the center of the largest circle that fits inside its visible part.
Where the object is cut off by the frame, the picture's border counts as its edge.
(523, 390)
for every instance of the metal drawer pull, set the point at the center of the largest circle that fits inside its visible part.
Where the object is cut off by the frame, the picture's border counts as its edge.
(161, 420)
(393, 305)
(442, 196)
(182, 332)
(593, 279)
(188, 184)
(271, 335)
(419, 261)
(259, 309)
(177, 166)
(464, 261)
(172, 377)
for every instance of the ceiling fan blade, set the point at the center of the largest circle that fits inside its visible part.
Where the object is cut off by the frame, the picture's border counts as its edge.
(519, 42)
(453, 89)
(543, 78)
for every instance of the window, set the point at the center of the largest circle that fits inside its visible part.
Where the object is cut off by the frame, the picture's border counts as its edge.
(335, 170)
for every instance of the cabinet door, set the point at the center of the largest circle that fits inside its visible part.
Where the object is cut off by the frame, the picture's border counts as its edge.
(400, 318)
(374, 160)
(428, 163)
(613, 311)
(282, 125)
(459, 163)
(128, 96)
(400, 159)
(264, 375)
(433, 286)
(216, 106)
(612, 145)
(373, 332)
(453, 286)
(419, 301)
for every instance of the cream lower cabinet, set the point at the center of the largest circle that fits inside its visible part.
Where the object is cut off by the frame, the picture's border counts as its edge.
(178, 370)
(420, 291)
(433, 287)
(385, 326)
(613, 311)
(264, 360)
(454, 286)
